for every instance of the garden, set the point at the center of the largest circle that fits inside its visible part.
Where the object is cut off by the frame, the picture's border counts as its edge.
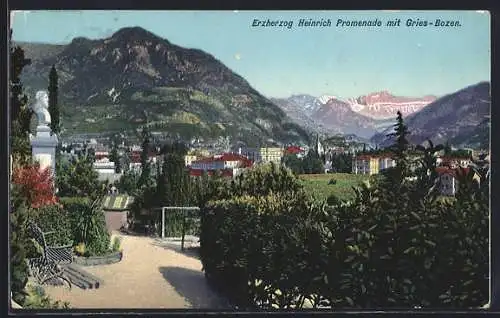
(268, 244)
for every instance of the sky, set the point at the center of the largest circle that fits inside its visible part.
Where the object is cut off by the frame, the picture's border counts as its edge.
(279, 61)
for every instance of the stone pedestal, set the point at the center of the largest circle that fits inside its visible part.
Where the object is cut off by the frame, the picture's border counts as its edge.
(43, 146)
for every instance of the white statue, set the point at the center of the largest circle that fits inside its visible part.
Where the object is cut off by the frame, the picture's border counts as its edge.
(40, 107)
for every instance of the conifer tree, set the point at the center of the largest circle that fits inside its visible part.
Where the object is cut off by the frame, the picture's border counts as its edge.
(400, 147)
(20, 113)
(145, 164)
(114, 157)
(53, 101)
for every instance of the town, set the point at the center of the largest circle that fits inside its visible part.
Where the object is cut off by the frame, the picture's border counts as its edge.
(231, 160)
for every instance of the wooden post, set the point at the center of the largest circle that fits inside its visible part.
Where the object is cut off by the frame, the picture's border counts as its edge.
(183, 229)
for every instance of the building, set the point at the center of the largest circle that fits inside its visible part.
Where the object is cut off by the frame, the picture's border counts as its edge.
(371, 164)
(188, 159)
(271, 154)
(252, 154)
(453, 162)
(449, 181)
(106, 170)
(115, 207)
(135, 159)
(295, 150)
(229, 164)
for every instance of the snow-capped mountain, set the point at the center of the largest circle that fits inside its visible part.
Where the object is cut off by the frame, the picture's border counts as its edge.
(384, 105)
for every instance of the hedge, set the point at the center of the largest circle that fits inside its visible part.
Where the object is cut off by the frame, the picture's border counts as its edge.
(390, 247)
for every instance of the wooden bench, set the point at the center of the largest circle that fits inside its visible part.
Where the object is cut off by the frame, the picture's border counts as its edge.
(48, 267)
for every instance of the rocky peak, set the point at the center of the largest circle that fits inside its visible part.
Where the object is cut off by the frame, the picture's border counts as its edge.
(135, 35)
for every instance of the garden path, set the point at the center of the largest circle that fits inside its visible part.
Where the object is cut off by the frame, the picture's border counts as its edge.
(150, 275)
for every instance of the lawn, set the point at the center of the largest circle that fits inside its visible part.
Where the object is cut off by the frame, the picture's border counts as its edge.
(317, 184)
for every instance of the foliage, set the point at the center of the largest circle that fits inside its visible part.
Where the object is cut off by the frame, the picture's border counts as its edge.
(89, 226)
(53, 98)
(310, 164)
(246, 239)
(37, 299)
(293, 163)
(114, 157)
(56, 219)
(80, 249)
(18, 245)
(116, 244)
(35, 184)
(395, 245)
(128, 182)
(145, 180)
(78, 178)
(20, 113)
(341, 163)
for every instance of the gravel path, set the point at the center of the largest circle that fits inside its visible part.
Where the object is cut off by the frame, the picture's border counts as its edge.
(152, 274)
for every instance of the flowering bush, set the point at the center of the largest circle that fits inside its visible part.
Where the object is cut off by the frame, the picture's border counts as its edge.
(35, 184)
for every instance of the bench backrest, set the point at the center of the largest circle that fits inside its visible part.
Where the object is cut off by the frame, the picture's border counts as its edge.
(39, 237)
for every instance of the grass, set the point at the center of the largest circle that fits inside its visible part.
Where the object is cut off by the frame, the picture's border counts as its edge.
(317, 184)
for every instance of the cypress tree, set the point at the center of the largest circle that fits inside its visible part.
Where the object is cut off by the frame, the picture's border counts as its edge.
(114, 157)
(145, 164)
(20, 113)
(53, 105)
(400, 147)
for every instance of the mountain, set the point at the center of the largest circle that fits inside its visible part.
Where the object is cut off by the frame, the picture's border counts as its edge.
(462, 118)
(135, 79)
(337, 115)
(300, 108)
(383, 105)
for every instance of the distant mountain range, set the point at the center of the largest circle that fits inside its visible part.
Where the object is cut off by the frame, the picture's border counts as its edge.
(462, 118)
(135, 79)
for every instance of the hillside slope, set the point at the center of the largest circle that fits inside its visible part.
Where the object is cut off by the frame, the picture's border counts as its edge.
(135, 78)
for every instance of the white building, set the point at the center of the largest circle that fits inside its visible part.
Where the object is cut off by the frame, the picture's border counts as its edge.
(449, 181)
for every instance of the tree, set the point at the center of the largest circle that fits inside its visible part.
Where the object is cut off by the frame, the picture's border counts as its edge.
(20, 113)
(77, 178)
(128, 182)
(35, 184)
(400, 147)
(312, 164)
(294, 163)
(114, 157)
(174, 181)
(145, 178)
(18, 245)
(53, 105)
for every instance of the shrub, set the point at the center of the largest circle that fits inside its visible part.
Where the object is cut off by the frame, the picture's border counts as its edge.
(35, 185)
(53, 218)
(116, 244)
(37, 299)
(89, 226)
(19, 246)
(393, 246)
(247, 239)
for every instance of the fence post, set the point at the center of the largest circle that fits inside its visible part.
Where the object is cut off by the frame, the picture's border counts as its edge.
(183, 229)
(163, 222)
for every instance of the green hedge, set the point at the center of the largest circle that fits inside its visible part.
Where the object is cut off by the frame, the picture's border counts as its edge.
(54, 218)
(390, 247)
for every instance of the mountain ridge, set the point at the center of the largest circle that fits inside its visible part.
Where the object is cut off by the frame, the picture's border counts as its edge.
(135, 78)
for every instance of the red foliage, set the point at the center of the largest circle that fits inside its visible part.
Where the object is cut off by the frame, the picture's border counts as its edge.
(36, 184)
